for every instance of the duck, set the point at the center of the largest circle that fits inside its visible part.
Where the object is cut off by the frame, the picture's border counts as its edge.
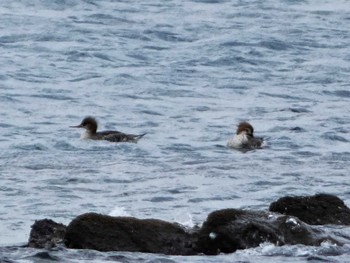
(244, 138)
(90, 125)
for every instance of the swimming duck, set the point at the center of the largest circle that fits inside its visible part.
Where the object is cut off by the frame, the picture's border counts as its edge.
(90, 125)
(244, 138)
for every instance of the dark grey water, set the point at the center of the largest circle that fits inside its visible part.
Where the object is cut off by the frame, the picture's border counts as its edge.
(185, 72)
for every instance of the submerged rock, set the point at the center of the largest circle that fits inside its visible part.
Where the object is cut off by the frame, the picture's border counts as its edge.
(107, 233)
(46, 234)
(318, 209)
(230, 229)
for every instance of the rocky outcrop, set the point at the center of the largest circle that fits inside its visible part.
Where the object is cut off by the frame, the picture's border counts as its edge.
(318, 209)
(107, 233)
(46, 234)
(231, 229)
(224, 231)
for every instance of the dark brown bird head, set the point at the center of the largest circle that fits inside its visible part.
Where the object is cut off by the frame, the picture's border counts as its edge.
(245, 127)
(89, 123)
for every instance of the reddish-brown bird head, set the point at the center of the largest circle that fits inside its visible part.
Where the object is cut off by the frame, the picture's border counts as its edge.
(245, 127)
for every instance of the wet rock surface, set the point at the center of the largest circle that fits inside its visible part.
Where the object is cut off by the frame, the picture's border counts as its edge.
(46, 233)
(318, 209)
(107, 233)
(224, 231)
(231, 229)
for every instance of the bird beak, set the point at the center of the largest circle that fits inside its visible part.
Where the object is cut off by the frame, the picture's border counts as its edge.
(78, 126)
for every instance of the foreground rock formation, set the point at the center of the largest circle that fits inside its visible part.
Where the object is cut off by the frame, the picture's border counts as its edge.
(318, 209)
(224, 231)
(231, 229)
(107, 233)
(46, 234)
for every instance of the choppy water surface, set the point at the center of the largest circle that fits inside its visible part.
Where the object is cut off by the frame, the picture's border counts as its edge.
(185, 72)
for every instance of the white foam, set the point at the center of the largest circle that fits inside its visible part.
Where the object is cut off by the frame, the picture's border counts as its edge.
(185, 220)
(119, 211)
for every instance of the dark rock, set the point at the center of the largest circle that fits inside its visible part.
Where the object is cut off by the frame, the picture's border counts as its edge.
(107, 233)
(230, 229)
(45, 255)
(319, 209)
(46, 234)
(224, 230)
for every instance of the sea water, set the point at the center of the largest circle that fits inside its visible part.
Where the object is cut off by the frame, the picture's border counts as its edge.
(186, 73)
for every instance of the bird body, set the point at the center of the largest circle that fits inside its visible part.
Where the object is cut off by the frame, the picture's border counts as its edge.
(90, 126)
(244, 138)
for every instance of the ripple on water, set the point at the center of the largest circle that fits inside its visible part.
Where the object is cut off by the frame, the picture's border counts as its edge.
(307, 154)
(299, 110)
(44, 255)
(337, 157)
(213, 198)
(297, 129)
(84, 76)
(52, 97)
(275, 44)
(160, 199)
(338, 93)
(31, 147)
(333, 137)
(65, 146)
(151, 112)
(166, 36)
(284, 96)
